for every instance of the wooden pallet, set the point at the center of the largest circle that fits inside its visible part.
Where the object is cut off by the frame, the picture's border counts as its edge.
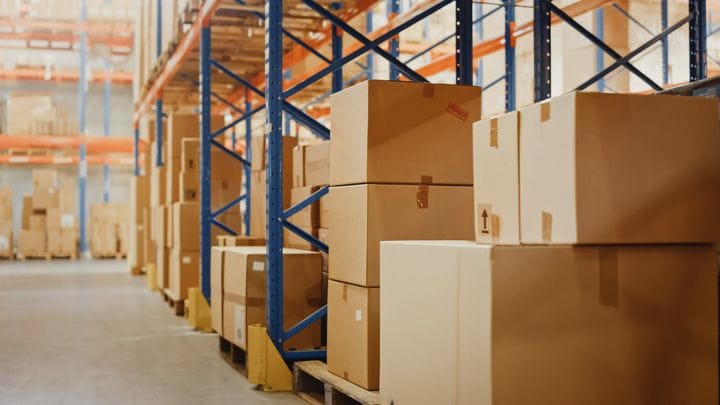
(25, 256)
(71, 256)
(233, 355)
(178, 306)
(316, 385)
(10, 256)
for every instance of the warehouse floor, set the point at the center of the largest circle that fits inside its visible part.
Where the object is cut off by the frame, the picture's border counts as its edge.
(88, 332)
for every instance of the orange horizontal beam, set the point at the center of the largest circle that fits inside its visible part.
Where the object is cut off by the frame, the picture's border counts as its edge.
(492, 45)
(109, 40)
(186, 45)
(94, 144)
(114, 28)
(38, 74)
(65, 160)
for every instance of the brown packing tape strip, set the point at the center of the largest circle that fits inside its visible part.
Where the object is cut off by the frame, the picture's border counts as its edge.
(422, 197)
(240, 299)
(544, 111)
(608, 272)
(495, 225)
(345, 292)
(493, 133)
(425, 179)
(428, 90)
(546, 227)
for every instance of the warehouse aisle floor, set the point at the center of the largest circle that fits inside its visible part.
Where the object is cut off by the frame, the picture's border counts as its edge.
(88, 332)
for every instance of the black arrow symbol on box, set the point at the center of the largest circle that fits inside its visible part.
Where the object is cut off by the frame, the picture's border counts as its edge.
(484, 217)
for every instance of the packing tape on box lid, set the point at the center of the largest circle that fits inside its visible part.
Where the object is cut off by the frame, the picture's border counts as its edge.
(428, 90)
(247, 301)
(546, 227)
(422, 198)
(608, 269)
(493, 133)
(544, 111)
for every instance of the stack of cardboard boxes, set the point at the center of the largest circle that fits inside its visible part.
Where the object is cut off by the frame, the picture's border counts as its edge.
(108, 230)
(238, 292)
(6, 223)
(49, 223)
(400, 168)
(594, 279)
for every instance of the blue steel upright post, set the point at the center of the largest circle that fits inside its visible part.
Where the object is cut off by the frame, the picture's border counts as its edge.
(463, 42)
(393, 9)
(273, 130)
(509, 55)
(82, 104)
(248, 156)
(370, 57)
(541, 49)
(698, 40)
(337, 50)
(205, 145)
(665, 46)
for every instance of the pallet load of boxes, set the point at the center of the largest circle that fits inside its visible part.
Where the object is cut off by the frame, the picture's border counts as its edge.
(7, 250)
(593, 275)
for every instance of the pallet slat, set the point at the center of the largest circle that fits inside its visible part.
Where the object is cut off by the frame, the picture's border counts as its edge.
(316, 385)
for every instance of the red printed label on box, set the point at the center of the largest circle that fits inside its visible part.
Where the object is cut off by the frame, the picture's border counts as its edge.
(457, 111)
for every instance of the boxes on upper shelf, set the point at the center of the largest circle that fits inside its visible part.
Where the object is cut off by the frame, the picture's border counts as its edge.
(403, 132)
(363, 215)
(548, 324)
(590, 173)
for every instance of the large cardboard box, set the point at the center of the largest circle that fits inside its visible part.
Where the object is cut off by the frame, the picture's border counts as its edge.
(428, 125)
(169, 235)
(590, 173)
(294, 241)
(258, 160)
(353, 333)
(324, 212)
(244, 293)
(299, 166)
(172, 179)
(223, 166)
(44, 179)
(548, 324)
(186, 226)
(62, 242)
(189, 186)
(184, 272)
(309, 217)
(27, 211)
(56, 219)
(190, 155)
(38, 222)
(32, 241)
(44, 198)
(316, 164)
(257, 153)
(222, 192)
(158, 186)
(495, 179)
(162, 258)
(187, 126)
(217, 257)
(6, 203)
(363, 215)
(239, 240)
(6, 241)
(258, 204)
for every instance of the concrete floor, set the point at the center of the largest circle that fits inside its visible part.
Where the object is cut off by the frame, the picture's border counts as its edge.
(88, 332)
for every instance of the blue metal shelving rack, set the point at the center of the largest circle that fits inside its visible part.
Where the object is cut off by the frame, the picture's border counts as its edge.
(276, 104)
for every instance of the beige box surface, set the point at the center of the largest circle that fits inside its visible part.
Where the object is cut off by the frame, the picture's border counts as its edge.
(44, 179)
(316, 165)
(363, 215)
(548, 324)
(239, 240)
(190, 155)
(244, 293)
(217, 256)
(172, 179)
(376, 122)
(299, 166)
(353, 333)
(309, 216)
(186, 226)
(163, 267)
(6, 241)
(184, 272)
(257, 161)
(158, 186)
(32, 241)
(189, 186)
(296, 242)
(258, 204)
(44, 198)
(590, 173)
(38, 222)
(495, 178)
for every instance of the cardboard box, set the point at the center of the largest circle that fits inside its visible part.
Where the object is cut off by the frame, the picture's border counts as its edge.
(353, 333)
(67, 197)
(172, 179)
(217, 256)
(158, 186)
(222, 192)
(298, 166)
(27, 211)
(186, 226)
(363, 215)
(32, 241)
(258, 204)
(190, 155)
(44, 198)
(225, 167)
(296, 242)
(244, 293)
(548, 324)
(258, 162)
(184, 272)
(169, 235)
(317, 164)
(62, 242)
(590, 173)
(309, 217)
(239, 240)
(324, 211)
(496, 197)
(181, 126)
(38, 222)
(162, 258)
(189, 187)
(44, 179)
(6, 203)
(257, 153)
(324, 235)
(233, 220)
(56, 219)
(375, 122)
(6, 241)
